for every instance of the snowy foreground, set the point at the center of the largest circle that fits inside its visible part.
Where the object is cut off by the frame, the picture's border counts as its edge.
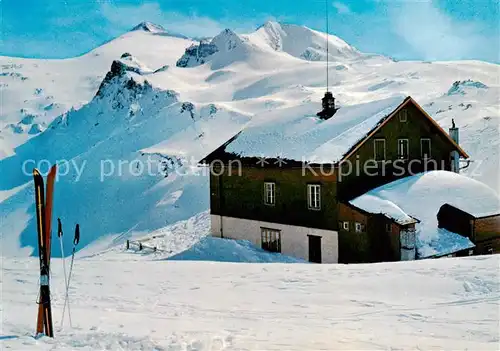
(124, 301)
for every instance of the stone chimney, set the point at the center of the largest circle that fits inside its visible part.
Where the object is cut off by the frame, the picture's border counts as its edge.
(328, 104)
(455, 157)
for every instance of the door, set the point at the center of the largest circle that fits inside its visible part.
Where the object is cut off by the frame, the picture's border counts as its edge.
(314, 248)
(408, 244)
(215, 194)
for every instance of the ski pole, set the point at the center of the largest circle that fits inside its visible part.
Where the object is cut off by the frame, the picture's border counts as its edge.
(76, 240)
(60, 235)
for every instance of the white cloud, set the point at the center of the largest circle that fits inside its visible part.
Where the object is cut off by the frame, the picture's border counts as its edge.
(434, 35)
(341, 8)
(123, 17)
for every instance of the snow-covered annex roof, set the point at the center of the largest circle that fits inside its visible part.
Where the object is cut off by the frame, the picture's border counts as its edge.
(297, 134)
(422, 196)
(376, 205)
(476, 212)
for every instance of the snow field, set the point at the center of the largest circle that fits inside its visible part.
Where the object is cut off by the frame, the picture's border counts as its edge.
(127, 302)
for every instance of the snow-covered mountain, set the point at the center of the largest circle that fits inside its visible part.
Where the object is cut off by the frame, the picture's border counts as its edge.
(153, 97)
(303, 42)
(267, 46)
(35, 92)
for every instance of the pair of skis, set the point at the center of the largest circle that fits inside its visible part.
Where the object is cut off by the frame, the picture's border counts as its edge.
(44, 205)
(44, 221)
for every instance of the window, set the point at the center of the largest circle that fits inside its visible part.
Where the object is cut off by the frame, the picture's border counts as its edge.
(345, 225)
(403, 115)
(388, 227)
(270, 239)
(379, 149)
(425, 148)
(403, 149)
(359, 227)
(269, 193)
(314, 196)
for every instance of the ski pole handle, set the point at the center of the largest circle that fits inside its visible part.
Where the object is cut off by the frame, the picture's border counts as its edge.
(59, 228)
(77, 235)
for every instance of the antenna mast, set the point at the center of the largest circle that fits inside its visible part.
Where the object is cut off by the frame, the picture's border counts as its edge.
(327, 46)
(328, 102)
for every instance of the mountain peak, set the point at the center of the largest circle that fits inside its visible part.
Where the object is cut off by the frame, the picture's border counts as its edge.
(270, 24)
(303, 42)
(275, 25)
(195, 55)
(226, 33)
(149, 27)
(227, 40)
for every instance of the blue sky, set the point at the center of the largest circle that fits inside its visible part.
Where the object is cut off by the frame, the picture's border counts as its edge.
(403, 29)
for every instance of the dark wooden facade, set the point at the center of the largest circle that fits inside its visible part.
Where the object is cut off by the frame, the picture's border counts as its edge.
(242, 196)
(483, 231)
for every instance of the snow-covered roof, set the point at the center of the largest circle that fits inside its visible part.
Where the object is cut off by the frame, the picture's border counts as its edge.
(486, 214)
(477, 212)
(422, 195)
(375, 204)
(297, 134)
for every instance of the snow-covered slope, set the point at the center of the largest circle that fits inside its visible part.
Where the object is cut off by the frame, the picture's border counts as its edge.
(119, 304)
(146, 107)
(109, 182)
